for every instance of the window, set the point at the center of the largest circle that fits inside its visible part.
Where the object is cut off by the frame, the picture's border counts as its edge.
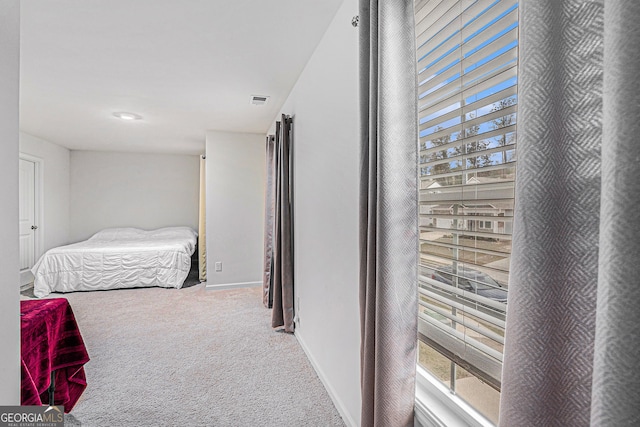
(467, 56)
(486, 225)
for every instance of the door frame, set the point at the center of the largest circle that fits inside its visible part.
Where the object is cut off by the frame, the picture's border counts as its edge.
(38, 196)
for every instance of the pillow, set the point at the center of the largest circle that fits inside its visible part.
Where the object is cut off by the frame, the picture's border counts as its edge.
(118, 234)
(173, 232)
(185, 234)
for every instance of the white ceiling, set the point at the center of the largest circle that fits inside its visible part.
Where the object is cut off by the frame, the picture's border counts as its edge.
(186, 66)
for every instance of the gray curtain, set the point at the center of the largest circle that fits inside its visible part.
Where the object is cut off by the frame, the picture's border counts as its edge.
(269, 212)
(202, 221)
(388, 212)
(282, 276)
(573, 321)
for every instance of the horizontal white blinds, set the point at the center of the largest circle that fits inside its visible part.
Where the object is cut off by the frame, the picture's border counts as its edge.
(467, 56)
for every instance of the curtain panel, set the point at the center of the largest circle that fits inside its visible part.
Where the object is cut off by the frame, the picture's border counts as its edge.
(202, 222)
(281, 276)
(269, 212)
(388, 212)
(573, 329)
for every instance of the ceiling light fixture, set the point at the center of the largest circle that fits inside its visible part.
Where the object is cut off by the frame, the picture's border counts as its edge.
(127, 116)
(258, 99)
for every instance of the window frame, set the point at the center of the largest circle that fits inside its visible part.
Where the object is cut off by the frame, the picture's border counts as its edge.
(437, 406)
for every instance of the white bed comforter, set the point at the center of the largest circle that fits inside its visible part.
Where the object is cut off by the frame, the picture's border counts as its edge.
(118, 258)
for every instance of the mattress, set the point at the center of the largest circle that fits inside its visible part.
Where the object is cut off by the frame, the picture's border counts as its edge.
(118, 258)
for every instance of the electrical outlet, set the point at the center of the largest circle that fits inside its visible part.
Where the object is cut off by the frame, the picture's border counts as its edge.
(218, 266)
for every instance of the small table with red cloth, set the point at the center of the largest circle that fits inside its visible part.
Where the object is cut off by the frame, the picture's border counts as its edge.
(51, 343)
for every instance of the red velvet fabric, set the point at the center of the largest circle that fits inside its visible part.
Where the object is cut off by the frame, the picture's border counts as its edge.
(51, 340)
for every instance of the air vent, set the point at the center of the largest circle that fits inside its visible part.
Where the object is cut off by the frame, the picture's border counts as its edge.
(259, 99)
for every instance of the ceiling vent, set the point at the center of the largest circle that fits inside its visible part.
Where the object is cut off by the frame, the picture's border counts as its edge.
(259, 99)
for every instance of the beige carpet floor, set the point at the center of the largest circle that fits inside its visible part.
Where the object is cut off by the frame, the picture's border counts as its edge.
(192, 357)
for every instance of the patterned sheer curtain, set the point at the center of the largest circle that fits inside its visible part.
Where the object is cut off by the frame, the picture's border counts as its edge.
(388, 212)
(573, 334)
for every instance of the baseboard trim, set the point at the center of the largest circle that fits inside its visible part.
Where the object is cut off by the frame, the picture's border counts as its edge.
(346, 417)
(212, 287)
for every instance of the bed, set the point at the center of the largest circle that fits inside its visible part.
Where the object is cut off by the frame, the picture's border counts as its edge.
(118, 258)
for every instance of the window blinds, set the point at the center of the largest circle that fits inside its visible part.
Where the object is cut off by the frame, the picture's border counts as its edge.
(467, 55)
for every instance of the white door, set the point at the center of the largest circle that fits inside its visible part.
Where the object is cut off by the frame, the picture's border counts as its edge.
(28, 224)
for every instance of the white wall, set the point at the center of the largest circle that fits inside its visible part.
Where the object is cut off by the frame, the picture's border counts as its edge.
(324, 103)
(110, 189)
(9, 248)
(55, 164)
(235, 207)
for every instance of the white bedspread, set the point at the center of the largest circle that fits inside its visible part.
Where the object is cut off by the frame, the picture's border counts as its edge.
(118, 258)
